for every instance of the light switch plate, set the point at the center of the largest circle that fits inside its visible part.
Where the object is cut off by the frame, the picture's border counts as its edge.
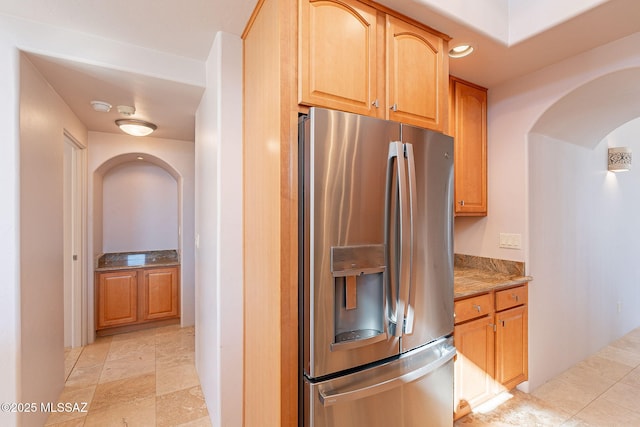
(510, 241)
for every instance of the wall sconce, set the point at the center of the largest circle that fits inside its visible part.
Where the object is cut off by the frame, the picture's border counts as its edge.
(619, 159)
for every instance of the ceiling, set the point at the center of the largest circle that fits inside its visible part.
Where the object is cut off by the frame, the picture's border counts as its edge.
(189, 32)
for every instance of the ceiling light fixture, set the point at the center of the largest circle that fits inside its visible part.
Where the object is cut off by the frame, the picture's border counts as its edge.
(460, 50)
(136, 127)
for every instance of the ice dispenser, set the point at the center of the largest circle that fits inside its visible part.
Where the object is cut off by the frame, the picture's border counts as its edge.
(359, 278)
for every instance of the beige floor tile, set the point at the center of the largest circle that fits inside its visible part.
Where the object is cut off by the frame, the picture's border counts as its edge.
(138, 412)
(180, 407)
(627, 343)
(609, 369)
(624, 395)
(76, 422)
(626, 357)
(94, 354)
(169, 360)
(633, 378)
(128, 366)
(123, 391)
(176, 378)
(519, 410)
(589, 379)
(70, 358)
(200, 422)
(82, 397)
(602, 412)
(144, 347)
(564, 396)
(83, 376)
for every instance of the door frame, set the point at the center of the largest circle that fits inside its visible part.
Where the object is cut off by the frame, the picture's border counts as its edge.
(75, 237)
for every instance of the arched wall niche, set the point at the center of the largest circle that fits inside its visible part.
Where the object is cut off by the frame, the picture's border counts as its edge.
(170, 200)
(582, 227)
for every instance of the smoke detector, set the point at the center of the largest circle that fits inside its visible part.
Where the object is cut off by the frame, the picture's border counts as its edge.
(101, 106)
(126, 110)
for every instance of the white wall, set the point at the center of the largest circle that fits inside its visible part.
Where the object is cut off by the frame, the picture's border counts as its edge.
(44, 117)
(9, 226)
(555, 194)
(140, 208)
(107, 151)
(219, 315)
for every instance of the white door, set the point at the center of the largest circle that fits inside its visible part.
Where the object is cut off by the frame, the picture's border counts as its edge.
(74, 280)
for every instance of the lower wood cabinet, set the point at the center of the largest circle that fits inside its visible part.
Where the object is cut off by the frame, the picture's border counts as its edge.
(491, 339)
(117, 298)
(127, 298)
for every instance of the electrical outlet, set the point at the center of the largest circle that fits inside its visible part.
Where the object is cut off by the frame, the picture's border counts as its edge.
(510, 241)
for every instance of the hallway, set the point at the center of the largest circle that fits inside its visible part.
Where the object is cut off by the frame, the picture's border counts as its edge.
(144, 378)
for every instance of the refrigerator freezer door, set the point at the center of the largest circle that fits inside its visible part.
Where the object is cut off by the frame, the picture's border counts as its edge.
(344, 269)
(415, 390)
(429, 312)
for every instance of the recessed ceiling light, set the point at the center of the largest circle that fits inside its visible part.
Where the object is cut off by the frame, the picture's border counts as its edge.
(460, 50)
(136, 127)
(101, 106)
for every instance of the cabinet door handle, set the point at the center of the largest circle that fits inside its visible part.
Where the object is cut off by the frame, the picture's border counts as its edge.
(461, 202)
(376, 103)
(493, 326)
(394, 107)
(477, 307)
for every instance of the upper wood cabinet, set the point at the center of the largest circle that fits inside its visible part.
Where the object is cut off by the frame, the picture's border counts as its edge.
(469, 128)
(338, 43)
(417, 75)
(357, 58)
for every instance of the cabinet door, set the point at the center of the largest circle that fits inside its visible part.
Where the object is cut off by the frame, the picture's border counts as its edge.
(117, 298)
(337, 51)
(160, 293)
(417, 80)
(470, 148)
(474, 366)
(511, 347)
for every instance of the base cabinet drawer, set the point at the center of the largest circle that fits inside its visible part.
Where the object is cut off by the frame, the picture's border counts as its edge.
(473, 307)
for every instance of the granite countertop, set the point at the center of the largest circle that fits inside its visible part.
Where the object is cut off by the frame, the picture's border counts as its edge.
(474, 275)
(127, 260)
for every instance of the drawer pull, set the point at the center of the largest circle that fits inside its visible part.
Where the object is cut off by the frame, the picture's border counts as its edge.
(515, 297)
(477, 307)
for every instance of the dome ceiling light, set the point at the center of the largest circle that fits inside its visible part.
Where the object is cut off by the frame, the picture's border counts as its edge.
(460, 50)
(136, 127)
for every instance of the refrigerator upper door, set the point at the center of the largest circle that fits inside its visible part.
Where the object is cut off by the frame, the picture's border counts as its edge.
(429, 311)
(344, 269)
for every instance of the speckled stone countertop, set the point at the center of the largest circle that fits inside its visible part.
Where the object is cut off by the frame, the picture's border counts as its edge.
(473, 275)
(125, 260)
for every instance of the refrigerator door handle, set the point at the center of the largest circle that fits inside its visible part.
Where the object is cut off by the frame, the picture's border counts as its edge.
(413, 217)
(338, 397)
(398, 283)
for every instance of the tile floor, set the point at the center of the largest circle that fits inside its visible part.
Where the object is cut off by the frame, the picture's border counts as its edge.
(144, 378)
(148, 378)
(602, 390)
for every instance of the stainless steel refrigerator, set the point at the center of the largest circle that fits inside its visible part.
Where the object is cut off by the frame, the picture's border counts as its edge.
(376, 273)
